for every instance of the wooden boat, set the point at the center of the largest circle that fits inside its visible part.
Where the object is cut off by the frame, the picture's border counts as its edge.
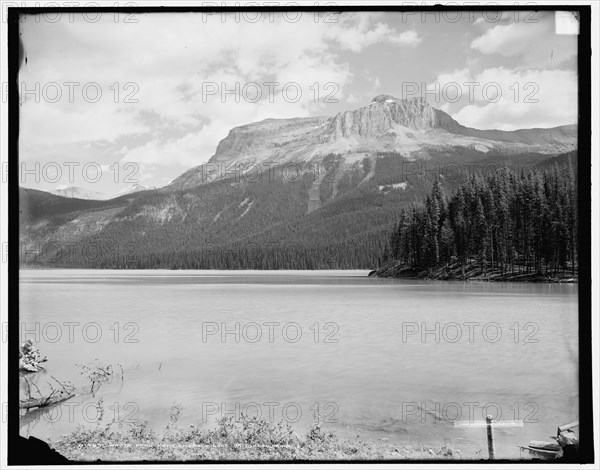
(548, 450)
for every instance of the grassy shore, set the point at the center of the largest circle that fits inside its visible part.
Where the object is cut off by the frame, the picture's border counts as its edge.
(472, 271)
(246, 439)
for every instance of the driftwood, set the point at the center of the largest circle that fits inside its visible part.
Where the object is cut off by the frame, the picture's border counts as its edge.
(95, 372)
(44, 401)
(55, 396)
(30, 360)
(35, 406)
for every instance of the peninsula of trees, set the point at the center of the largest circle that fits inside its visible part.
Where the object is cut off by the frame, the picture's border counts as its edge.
(504, 226)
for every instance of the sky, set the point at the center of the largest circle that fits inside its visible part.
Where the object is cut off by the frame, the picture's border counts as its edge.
(108, 100)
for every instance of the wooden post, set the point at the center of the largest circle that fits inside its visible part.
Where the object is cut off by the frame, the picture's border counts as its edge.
(490, 437)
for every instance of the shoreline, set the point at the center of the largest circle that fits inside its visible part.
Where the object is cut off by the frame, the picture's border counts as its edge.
(394, 270)
(248, 439)
(471, 272)
(30, 267)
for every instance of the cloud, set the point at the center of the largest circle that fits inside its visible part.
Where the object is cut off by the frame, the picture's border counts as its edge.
(406, 38)
(164, 73)
(512, 99)
(182, 78)
(189, 150)
(357, 31)
(535, 43)
(45, 123)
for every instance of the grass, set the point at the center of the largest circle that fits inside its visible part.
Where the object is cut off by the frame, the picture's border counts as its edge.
(243, 439)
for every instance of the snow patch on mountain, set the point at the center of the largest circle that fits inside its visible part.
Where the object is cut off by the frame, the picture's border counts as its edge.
(388, 187)
(79, 193)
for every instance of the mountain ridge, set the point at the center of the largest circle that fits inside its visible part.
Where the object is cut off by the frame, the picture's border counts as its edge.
(410, 127)
(77, 192)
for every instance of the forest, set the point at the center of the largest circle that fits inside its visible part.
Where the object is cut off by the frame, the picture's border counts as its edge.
(505, 222)
(510, 217)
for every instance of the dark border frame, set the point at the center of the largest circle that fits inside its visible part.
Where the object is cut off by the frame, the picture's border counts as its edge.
(19, 453)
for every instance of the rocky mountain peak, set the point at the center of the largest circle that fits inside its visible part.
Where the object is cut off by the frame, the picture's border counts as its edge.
(385, 113)
(384, 98)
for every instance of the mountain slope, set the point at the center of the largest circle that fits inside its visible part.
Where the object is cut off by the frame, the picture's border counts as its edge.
(305, 193)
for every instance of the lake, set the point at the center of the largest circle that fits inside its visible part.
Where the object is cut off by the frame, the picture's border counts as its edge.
(399, 360)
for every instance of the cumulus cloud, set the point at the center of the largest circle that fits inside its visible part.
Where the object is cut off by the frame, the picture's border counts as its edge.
(535, 43)
(189, 150)
(501, 98)
(355, 32)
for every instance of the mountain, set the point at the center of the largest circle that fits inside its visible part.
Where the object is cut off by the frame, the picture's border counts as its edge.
(134, 188)
(304, 193)
(411, 128)
(79, 193)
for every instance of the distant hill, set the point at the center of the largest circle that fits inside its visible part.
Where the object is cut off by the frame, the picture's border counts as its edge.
(79, 193)
(82, 193)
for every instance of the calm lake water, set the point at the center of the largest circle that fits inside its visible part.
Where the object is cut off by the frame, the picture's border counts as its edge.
(398, 360)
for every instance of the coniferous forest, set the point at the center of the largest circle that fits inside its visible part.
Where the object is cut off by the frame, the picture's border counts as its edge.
(504, 224)
(506, 220)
